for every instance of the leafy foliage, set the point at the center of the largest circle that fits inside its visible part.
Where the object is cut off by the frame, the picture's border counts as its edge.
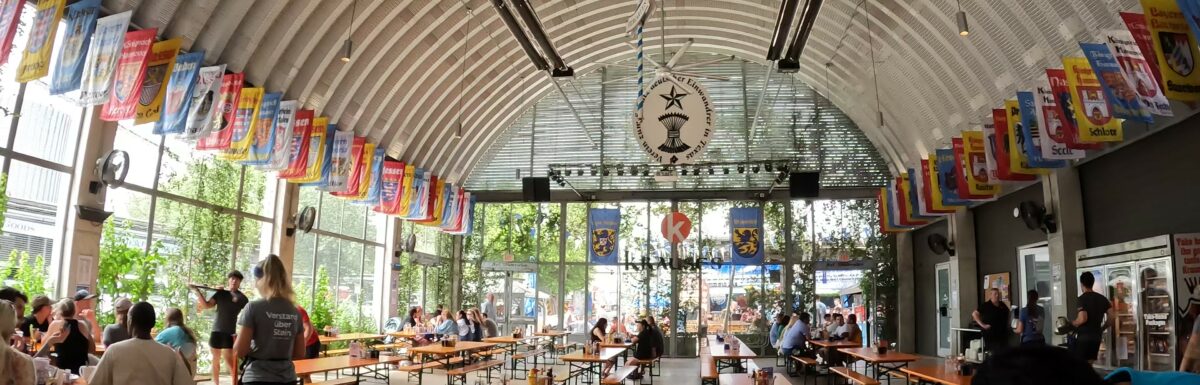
(126, 271)
(28, 274)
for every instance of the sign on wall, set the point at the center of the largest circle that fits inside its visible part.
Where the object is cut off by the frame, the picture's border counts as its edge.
(745, 231)
(677, 120)
(604, 225)
(676, 227)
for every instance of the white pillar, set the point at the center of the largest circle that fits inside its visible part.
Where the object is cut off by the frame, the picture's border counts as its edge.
(81, 252)
(964, 271)
(1062, 195)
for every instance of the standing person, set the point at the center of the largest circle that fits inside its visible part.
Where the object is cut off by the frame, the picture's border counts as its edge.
(16, 368)
(229, 301)
(273, 324)
(119, 331)
(38, 319)
(489, 326)
(1090, 321)
(1032, 321)
(992, 317)
(140, 360)
(180, 337)
(85, 302)
(71, 338)
(488, 306)
(465, 329)
(312, 342)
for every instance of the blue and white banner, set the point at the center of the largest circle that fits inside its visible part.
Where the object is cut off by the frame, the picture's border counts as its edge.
(376, 178)
(947, 169)
(266, 130)
(745, 231)
(68, 66)
(1031, 132)
(338, 178)
(281, 144)
(103, 51)
(178, 100)
(467, 220)
(420, 193)
(204, 93)
(1124, 100)
(604, 229)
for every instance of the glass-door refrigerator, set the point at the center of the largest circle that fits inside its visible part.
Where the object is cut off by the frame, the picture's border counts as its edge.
(1155, 293)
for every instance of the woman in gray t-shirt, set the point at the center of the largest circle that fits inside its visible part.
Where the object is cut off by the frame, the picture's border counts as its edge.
(270, 329)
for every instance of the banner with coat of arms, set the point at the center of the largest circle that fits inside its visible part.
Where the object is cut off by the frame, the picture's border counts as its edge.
(1172, 30)
(1126, 49)
(745, 233)
(128, 76)
(315, 151)
(391, 187)
(177, 101)
(158, 73)
(945, 166)
(204, 95)
(341, 157)
(360, 158)
(35, 61)
(676, 121)
(604, 228)
(245, 122)
(281, 145)
(297, 160)
(1052, 122)
(80, 21)
(10, 16)
(374, 179)
(223, 113)
(1093, 111)
(318, 172)
(1066, 106)
(1118, 89)
(102, 54)
(266, 129)
(1031, 133)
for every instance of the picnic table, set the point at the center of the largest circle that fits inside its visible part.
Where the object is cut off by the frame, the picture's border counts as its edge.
(445, 354)
(736, 353)
(626, 345)
(509, 344)
(897, 360)
(590, 364)
(307, 367)
(744, 379)
(344, 337)
(834, 346)
(936, 374)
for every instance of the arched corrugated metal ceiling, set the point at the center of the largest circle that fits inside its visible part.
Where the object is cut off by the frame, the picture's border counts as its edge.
(401, 88)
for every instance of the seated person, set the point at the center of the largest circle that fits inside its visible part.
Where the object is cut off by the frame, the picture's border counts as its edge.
(1036, 365)
(140, 360)
(179, 337)
(119, 331)
(831, 326)
(15, 367)
(648, 347)
(853, 332)
(795, 341)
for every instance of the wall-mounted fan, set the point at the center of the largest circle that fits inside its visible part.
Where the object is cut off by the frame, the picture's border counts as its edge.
(110, 170)
(303, 221)
(410, 244)
(1035, 217)
(939, 244)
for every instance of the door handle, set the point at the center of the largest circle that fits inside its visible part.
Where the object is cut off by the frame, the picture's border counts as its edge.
(943, 310)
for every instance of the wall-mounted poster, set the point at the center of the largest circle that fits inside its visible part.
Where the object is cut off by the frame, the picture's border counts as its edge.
(998, 281)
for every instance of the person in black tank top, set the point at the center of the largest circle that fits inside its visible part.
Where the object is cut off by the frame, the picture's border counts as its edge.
(600, 331)
(71, 339)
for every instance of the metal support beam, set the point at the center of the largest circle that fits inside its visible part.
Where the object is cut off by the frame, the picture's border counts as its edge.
(1063, 198)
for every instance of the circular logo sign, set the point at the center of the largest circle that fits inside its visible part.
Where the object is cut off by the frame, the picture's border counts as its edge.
(677, 120)
(676, 227)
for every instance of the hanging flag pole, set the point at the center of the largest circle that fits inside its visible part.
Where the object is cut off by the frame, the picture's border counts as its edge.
(637, 22)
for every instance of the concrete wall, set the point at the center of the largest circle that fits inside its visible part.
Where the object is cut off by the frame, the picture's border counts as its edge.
(924, 263)
(1145, 189)
(998, 234)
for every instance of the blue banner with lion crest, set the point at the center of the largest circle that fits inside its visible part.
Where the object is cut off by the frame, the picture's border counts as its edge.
(745, 231)
(603, 227)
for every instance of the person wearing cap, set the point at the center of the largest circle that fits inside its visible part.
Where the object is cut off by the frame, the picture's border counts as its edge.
(140, 360)
(119, 331)
(647, 348)
(38, 319)
(84, 303)
(229, 302)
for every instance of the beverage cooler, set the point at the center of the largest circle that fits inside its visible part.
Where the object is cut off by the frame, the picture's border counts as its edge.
(1139, 278)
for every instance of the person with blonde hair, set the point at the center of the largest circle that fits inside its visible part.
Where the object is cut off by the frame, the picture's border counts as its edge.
(16, 368)
(70, 338)
(273, 324)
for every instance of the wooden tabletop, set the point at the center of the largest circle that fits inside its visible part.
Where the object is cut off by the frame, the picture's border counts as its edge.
(551, 334)
(349, 337)
(938, 374)
(403, 334)
(616, 344)
(835, 344)
(870, 355)
(606, 354)
(744, 379)
(737, 349)
(509, 340)
(459, 347)
(327, 364)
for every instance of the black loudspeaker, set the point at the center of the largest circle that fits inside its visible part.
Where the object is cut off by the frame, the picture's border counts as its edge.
(535, 189)
(804, 184)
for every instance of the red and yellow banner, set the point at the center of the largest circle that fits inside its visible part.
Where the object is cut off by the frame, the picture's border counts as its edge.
(226, 108)
(1092, 111)
(154, 86)
(245, 123)
(35, 61)
(301, 137)
(1174, 49)
(392, 189)
(316, 150)
(127, 80)
(978, 181)
(929, 187)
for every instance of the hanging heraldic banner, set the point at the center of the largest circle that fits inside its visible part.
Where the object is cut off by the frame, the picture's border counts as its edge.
(884, 226)
(417, 193)
(1137, 72)
(1066, 105)
(102, 54)
(604, 227)
(1135, 24)
(978, 182)
(1002, 148)
(1052, 122)
(465, 222)
(68, 65)
(301, 137)
(376, 179)
(178, 99)
(963, 169)
(1031, 133)
(35, 61)
(361, 183)
(223, 113)
(10, 15)
(204, 94)
(354, 168)
(262, 137)
(1092, 110)
(1117, 89)
(989, 156)
(933, 183)
(911, 196)
(318, 172)
(1018, 158)
(340, 161)
(281, 145)
(677, 120)
(158, 73)
(894, 217)
(947, 178)
(245, 123)
(127, 80)
(390, 189)
(1174, 48)
(746, 231)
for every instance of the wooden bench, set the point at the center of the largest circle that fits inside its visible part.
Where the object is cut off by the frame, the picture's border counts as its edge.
(489, 353)
(335, 352)
(562, 378)
(523, 358)
(853, 376)
(708, 369)
(488, 366)
(336, 381)
(618, 376)
(802, 366)
(428, 365)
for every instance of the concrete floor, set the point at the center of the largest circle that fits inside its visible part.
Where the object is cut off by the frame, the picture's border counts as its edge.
(675, 371)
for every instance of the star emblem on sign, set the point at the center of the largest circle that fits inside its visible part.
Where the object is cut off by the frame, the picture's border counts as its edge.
(675, 98)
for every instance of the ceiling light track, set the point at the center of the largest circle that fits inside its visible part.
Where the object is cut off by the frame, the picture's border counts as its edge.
(783, 27)
(808, 17)
(552, 60)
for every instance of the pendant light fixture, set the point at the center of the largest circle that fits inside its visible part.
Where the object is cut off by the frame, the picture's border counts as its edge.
(348, 45)
(963, 29)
